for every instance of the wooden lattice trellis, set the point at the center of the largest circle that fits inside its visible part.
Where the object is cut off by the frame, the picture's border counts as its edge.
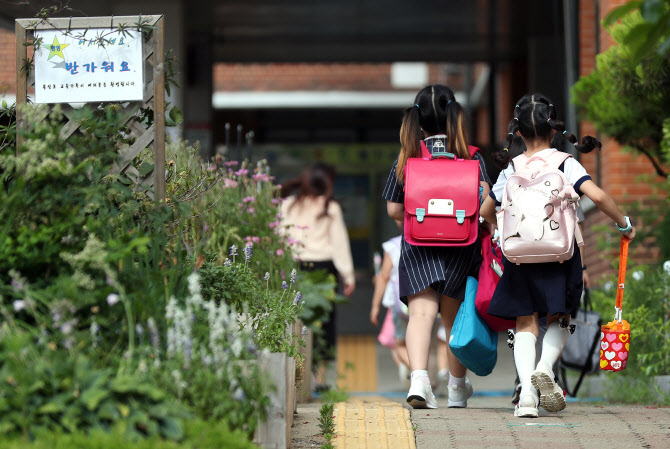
(154, 91)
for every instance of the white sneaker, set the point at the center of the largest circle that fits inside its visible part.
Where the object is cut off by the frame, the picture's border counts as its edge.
(551, 395)
(421, 395)
(458, 396)
(526, 407)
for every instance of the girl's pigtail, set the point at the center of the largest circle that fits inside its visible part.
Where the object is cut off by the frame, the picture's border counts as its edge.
(589, 143)
(457, 141)
(410, 136)
(502, 158)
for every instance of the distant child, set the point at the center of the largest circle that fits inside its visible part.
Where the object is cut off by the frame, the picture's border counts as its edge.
(432, 278)
(551, 289)
(392, 334)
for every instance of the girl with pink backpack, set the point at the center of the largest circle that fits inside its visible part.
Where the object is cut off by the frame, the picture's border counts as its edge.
(433, 278)
(532, 285)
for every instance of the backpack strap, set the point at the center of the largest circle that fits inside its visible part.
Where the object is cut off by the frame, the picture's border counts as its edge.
(473, 151)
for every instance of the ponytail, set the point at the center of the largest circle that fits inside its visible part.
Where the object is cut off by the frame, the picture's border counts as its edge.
(410, 136)
(435, 111)
(457, 141)
(503, 157)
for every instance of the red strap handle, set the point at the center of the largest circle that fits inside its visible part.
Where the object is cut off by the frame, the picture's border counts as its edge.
(623, 258)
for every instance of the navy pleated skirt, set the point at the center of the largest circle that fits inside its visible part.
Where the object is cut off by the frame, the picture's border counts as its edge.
(546, 288)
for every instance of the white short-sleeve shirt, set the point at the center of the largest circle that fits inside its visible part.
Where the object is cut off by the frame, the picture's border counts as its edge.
(573, 170)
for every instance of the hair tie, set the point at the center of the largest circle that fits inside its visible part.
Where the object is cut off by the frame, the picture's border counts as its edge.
(505, 149)
(510, 134)
(448, 101)
(417, 106)
(565, 131)
(516, 106)
(551, 105)
(549, 119)
(515, 119)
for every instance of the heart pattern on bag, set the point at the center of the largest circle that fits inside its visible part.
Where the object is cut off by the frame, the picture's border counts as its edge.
(623, 337)
(616, 364)
(617, 346)
(611, 337)
(627, 346)
(604, 345)
(623, 355)
(553, 225)
(603, 363)
(609, 355)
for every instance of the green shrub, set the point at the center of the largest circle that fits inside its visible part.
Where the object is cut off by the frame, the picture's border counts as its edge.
(46, 388)
(198, 435)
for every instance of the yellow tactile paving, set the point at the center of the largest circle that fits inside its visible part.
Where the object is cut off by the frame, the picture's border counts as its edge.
(373, 423)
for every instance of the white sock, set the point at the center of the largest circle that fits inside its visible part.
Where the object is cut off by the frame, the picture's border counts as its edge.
(443, 373)
(458, 381)
(421, 374)
(524, 359)
(552, 345)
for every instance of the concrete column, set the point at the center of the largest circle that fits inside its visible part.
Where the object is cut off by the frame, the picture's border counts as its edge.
(198, 83)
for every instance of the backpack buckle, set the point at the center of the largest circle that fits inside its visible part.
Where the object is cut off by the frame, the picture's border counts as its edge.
(420, 214)
(460, 216)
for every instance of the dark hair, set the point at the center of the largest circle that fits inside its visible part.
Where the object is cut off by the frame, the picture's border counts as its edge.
(317, 180)
(435, 111)
(535, 117)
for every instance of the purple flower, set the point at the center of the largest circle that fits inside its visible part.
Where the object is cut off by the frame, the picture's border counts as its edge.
(297, 299)
(274, 224)
(284, 285)
(242, 172)
(249, 199)
(266, 277)
(247, 252)
(233, 251)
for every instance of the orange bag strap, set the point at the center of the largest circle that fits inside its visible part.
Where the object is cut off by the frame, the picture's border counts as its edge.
(623, 258)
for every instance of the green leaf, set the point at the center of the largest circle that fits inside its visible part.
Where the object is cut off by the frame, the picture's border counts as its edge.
(619, 12)
(145, 169)
(4, 104)
(51, 407)
(93, 396)
(176, 115)
(172, 429)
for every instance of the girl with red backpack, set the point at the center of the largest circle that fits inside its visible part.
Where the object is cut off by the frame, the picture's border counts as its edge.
(527, 291)
(432, 278)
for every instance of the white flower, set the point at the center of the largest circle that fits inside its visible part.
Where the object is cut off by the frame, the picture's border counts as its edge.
(112, 299)
(19, 305)
(666, 267)
(638, 275)
(608, 286)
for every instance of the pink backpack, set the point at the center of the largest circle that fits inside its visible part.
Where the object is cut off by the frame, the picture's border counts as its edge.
(538, 218)
(441, 199)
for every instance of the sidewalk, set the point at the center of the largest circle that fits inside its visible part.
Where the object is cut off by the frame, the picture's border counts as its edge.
(382, 419)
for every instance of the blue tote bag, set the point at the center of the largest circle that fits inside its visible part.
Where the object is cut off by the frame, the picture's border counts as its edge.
(472, 341)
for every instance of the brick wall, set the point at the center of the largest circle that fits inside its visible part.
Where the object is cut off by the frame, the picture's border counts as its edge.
(7, 62)
(618, 170)
(317, 77)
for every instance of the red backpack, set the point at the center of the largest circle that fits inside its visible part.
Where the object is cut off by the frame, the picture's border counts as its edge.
(441, 199)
